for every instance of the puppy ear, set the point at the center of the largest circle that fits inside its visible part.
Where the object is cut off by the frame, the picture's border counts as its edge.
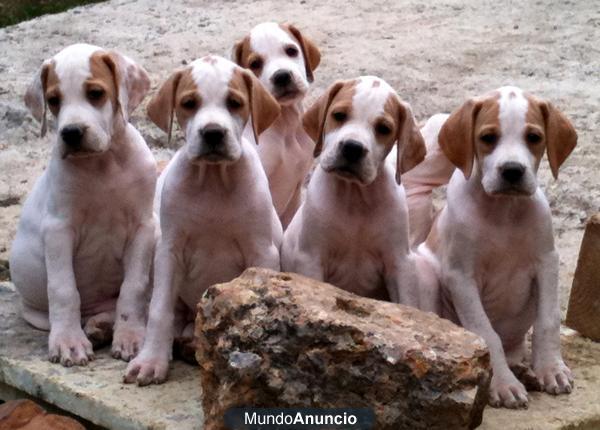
(237, 53)
(109, 61)
(161, 107)
(133, 81)
(561, 137)
(456, 136)
(264, 109)
(35, 96)
(314, 118)
(310, 52)
(411, 146)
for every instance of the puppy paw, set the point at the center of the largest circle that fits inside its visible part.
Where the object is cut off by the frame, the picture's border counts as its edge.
(554, 377)
(507, 392)
(127, 341)
(146, 369)
(99, 329)
(69, 347)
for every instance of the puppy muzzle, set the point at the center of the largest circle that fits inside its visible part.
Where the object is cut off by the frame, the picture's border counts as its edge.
(74, 141)
(285, 86)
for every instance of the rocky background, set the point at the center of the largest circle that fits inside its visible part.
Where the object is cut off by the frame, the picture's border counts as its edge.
(436, 54)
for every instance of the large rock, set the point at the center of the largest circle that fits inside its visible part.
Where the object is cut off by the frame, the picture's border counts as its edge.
(583, 313)
(275, 339)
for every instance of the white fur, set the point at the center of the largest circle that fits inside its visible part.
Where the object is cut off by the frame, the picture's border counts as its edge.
(285, 149)
(353, 231)
(496, 262)
(216, 220)
(86, 233)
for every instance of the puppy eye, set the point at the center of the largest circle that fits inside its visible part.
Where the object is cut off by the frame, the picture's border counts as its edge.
(533, 138)
(383, 129)
(53, 101)
(339, 116)
(489, 138)
(189, 103)
(233, 104)
(291, 51)
(95, 94)
(256, 64)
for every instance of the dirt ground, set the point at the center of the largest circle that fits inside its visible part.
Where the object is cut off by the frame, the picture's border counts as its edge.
(436, 54)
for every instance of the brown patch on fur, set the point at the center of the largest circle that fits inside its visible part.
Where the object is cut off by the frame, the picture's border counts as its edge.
(310, 52)
(457, 135)
(243, 56)
(256, 100)
(210, 59)
(167, 102)
(316, 120)
(376, 83)
(411, 145)
(105, 76)
(51, 85)
(560, 137)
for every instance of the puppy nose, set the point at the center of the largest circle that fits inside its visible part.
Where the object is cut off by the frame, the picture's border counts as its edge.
(72, 135)
(213, 135)
(281, 78)
(512, 172)
(352, 150)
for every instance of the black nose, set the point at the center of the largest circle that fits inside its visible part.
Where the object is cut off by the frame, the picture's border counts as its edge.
(281, 78)
(72, 135)
(213, 135)
(512, 172)
(353, 151)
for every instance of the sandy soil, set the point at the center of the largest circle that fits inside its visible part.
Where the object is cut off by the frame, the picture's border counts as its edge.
(436, 54)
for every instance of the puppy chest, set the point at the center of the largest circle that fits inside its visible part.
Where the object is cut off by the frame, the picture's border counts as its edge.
(359, 273)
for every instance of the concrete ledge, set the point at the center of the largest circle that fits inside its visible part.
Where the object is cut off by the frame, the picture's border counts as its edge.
(96, 393)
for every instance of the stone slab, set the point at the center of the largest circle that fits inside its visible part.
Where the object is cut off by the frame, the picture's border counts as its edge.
(97, 394)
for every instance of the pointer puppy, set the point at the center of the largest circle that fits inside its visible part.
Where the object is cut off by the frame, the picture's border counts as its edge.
(352, 230)
(492, 246)
(216, 213)
(284, 60)
(84, 244)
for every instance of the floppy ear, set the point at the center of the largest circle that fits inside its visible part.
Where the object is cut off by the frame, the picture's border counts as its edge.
(35, 96)
(314, 118)
(132, 80)
(411, 146)
(561, 137)
(456, 138)
(161, 107)
(310, 52)
(110, 62)
(237, 53)
(264, 109)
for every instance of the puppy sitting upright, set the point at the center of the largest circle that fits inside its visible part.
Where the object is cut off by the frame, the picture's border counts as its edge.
(216, 213)
(352, 230)
(84, 244)
(284, 60)
(492, 246)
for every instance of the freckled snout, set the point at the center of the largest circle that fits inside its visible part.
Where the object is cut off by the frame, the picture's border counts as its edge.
(512, 172)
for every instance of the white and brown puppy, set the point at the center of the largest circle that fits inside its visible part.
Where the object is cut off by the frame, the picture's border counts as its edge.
(284, 60)
(84, 244)
(492, 246)
(216, 213)
(352, 230)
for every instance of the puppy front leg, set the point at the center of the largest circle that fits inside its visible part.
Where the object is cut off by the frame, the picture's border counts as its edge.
(505, 388)
(130, 320)
(67, 343)
(552, 373)
(151, 365)
(402, 282)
